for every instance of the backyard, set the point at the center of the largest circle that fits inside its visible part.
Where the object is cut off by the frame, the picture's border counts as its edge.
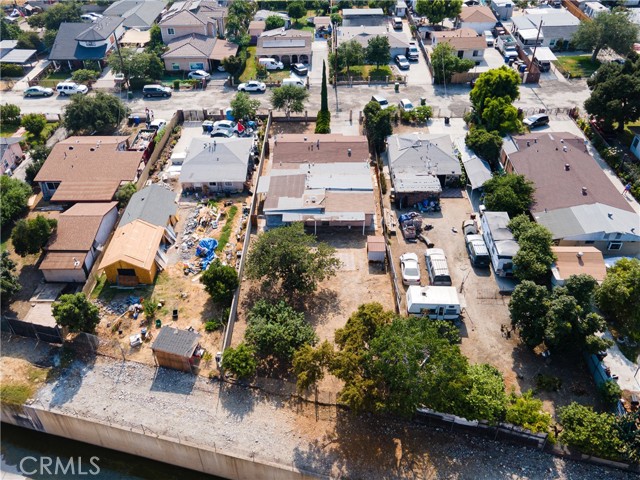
(578, 66)
(251, 71)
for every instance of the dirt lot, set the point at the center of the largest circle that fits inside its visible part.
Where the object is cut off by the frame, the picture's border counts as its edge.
(487, 310)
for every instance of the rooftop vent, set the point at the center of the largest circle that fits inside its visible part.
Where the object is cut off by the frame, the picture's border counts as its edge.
(92, 149)
(584, 190)
(567, 167)
(610, 215)
(71, 148)
(564, 148)
(528, 143)
(349, 151)
(579, 254)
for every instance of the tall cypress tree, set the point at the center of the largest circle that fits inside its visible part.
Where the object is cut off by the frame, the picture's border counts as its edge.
(324, 100)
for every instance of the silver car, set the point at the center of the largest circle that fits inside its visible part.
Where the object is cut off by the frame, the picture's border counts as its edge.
(38, 91)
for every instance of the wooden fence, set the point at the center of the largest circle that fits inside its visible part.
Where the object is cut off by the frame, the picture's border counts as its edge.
(574, 9)
(144, 176)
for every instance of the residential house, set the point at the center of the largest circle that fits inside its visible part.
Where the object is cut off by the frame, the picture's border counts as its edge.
(134, 254)
(88, 169)
(573, 197)
(155, 205)
(577, 261)
(202, 17)
(177, 349)
(287, 46)
(635, 146)
(321, 180)
(256, 27)
(465, 41)
(362, 34)
(558, 26)
(139, 14)
(400, 10)
(217, 164)
(262, 15)
(197, 52)
(77, 241)
(10, 154)
(79, 43)
(478, 18)
(421, 165)
(19, 56)
(503, 9)
(368, 17)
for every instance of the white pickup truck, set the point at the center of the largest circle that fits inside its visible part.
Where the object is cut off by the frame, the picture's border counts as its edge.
(506, 45)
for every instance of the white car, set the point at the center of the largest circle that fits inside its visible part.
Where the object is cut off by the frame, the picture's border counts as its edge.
(252, 86)
(158, 124)
(199, 75)
(226, 126)
(488, 36)
(410, 269)
(406, 105)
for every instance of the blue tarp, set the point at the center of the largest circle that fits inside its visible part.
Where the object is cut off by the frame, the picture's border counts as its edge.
(207, 249)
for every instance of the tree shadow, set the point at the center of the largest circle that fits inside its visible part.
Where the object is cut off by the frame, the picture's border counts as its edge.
(320, 306)
(68, 379)
(237, 400)
(173, 381)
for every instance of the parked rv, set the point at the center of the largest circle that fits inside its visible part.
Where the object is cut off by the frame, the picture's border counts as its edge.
(500, 242)
(437, 267)
(437, 303)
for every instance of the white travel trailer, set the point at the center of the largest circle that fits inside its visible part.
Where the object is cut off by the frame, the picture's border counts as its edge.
(437, 303)
(500, 242)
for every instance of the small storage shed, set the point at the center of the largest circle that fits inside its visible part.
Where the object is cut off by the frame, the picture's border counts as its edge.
(375, 248)
(175, 348)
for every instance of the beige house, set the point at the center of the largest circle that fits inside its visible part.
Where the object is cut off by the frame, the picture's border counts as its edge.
(256, 27)
(199, 17)
(286, 46)
(477, 18)
(466, 42)
(197, 52)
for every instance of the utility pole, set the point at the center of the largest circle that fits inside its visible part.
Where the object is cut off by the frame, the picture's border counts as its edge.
(535, 47)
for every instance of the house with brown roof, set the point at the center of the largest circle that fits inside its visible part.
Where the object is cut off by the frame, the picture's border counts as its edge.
(465, 41)
(88, 169)
(134, 254)
(577, 260)
(574, 198)
(478, 18)
(321, 183)
(286, 46)
(77, 241)
(201, 17)
(256, 27)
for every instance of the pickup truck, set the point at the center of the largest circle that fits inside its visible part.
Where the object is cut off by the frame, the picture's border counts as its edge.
(506, 45)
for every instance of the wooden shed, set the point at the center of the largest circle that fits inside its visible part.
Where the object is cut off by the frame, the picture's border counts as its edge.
(376, 251)
(177, 349)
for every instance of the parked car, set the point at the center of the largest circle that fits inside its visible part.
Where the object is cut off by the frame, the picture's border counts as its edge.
(402, 62)
(299, 69)
(397, 23)
(221, 133)
(410, 269)
(252, 86)
(270, 64)
(71, 88)
(38, 91)
(476, 248)
(156, 91)
(158, 124)
(383, 102)
(488, 36)
(295, 82)
(224, 126)
(199, 75)
(406, 105)
(536, 120)
(88, 18)
(413, 53)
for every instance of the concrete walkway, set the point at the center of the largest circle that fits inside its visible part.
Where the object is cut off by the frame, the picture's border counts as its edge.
(23, 83)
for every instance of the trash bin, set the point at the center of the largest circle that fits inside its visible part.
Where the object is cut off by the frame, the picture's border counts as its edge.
(136, 120)
(228, 113)
(130, 95)
(397, 87)
(423, 101)
(158, 323)
(446, 120)
(207, 126)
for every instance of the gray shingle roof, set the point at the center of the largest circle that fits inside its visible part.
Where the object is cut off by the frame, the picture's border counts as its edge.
(191, 46)
(100, 30)
(136, 13)
(66, 47)
(177, 342)
(153, 204)
(217, 160)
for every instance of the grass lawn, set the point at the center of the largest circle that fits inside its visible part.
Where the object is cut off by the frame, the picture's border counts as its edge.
(578, 65)
(302, 24)
(364, 71)
(53, 79)
(7, 130)
(250, 71)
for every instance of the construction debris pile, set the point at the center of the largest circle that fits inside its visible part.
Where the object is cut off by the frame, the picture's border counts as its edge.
(118, 306)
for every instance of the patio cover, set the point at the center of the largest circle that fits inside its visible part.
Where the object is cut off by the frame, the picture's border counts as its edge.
(544, 54)
(223, 49)
(18, 55)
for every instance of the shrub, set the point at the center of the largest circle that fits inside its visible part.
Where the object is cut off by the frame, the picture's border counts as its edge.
(149, 306)
(240, 361)
(30, 236)
(85, 75)
(176, 84)
(34, 123)
(323, 122)
(10, 113)
(124, 194)
(423, 113)
(407, 117)
(383, 183)
(11, 70)
(261, 71)
(212, 325)
(610, 392)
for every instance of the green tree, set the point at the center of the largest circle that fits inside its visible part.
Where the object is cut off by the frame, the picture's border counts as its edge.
(10, 282)
(526, 411)
(310, 364)
(534, 258)
(422, 113)
(486, 145)
(244, 106)
(30, 236)
(34, 123)
(323, 120)
(582, 287)
(289, 98)
(591, 432)
(15, 195)
(321, 6)
(240, 361)
(53, 17)
(137, 64)
(49, 38)
(10, 114)
(289, 256)
(615, 93)
(500, 115)
(101, 113)
(608, 29)
(124, 194)
(76, 312)
(220, 281)
(233, 65)
(619, 295)
(486, 398)
(296, 9)
(349, 54)
(277, 330)
(155, 46)
(336, 19)
(378, 51)
(377, 122)
(446, 62)
(274, 21)
(610, 392)
(29, 41)
(8, 31)
(629, 432)
(437, 10)
(85, 75)
(528, 307)
(509, 193)
(39, 155)
(500, 82)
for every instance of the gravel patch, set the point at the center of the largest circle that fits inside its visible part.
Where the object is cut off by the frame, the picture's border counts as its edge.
(324, 440)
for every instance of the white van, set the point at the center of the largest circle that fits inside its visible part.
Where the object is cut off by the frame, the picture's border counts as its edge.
(271, 64)
(437, 303)
(296, 82)
(437, 267)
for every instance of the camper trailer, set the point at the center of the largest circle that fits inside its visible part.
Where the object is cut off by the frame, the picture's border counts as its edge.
(437, 303)
(437, 267)
(500, 242)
